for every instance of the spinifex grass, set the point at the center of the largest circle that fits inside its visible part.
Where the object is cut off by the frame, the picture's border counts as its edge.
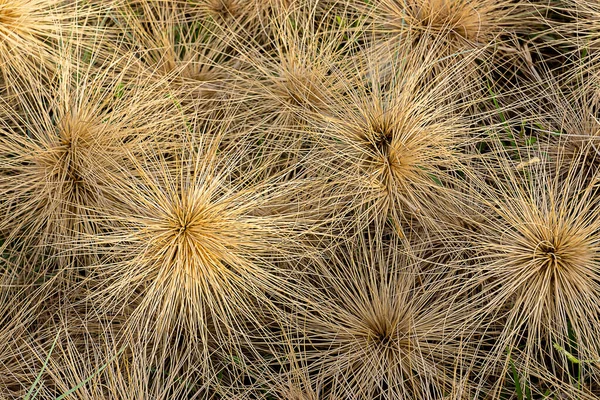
(196, 242)
(311, 199)
(378, 328)
(535, 262)
(64, 143)
(31, 30)
(566, 126)
(390, 152)
(19, 311)
(304, 68)
(168, 39)
(459, 30)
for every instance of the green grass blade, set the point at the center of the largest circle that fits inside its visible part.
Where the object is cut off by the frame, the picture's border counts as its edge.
(569, 356)
(86, 380)
(39, 376)
(516, 378)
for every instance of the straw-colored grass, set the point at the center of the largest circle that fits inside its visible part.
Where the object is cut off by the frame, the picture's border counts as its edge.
(299, 199)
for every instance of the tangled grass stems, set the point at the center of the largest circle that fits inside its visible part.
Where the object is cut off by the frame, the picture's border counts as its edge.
(196, 243)
(168, 42)
(31, 30)
(567, 127)
(390, 153)
(459, 30)
(311, 199)
(304, 68)
(20, 310)
(63, 145)
(377, 327)
(534, 263)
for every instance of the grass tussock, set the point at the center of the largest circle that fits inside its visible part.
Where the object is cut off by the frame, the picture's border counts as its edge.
(299, 199)
(199, 244)
(373, 327)
(536, 252)
(64, 144)
(389, 154)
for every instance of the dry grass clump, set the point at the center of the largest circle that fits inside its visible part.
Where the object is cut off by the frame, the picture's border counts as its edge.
(19, 311)
(299, 199)
(169, 42)
(578, 31)
(376, 328)
(459, 29)
(196, 242)
(286, 82)
(89, 358)
(241, 11)
(390, 153)
(468, 21)
(567, 126)
(534, 265)
(30, 31)
(63, 146)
